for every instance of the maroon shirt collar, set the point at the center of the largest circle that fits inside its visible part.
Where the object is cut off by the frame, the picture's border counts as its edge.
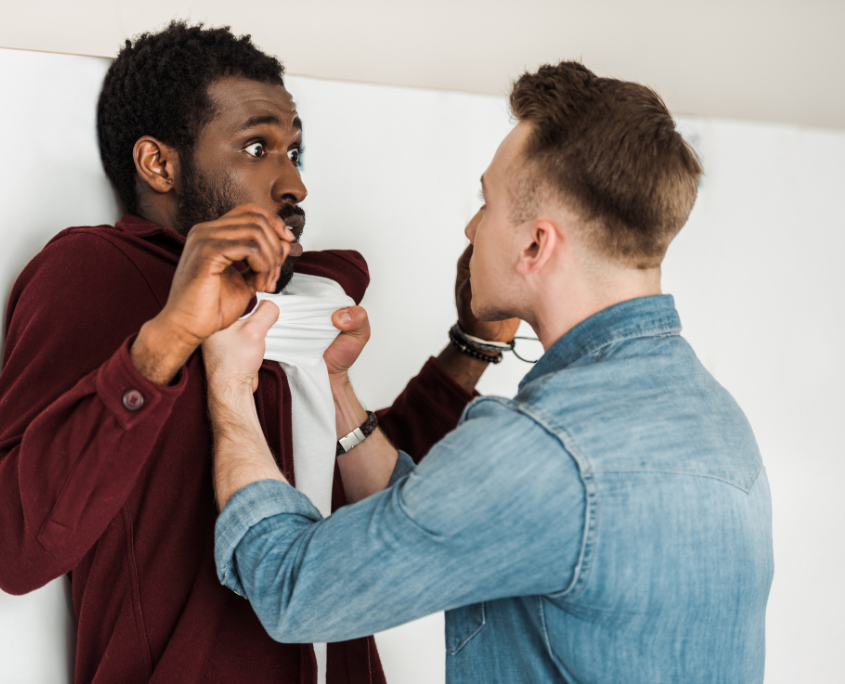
(142, 228)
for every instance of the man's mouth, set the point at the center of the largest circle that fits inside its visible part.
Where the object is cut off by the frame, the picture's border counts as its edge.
(294, 218)
(296, 222)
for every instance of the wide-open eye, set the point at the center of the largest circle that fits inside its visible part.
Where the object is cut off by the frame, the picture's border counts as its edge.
(295, 155)
(256, 149)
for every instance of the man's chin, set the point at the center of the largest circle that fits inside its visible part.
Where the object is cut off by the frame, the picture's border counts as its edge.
(483, 311)
(286, 274)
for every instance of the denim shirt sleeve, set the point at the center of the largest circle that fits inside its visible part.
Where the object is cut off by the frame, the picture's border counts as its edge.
(265, 499)
(496, 509)
(404, 466)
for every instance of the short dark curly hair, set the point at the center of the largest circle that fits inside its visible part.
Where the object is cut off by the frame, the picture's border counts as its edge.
(158, 86)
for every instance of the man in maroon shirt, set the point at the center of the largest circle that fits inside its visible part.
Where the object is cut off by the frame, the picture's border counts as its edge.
(105, 468)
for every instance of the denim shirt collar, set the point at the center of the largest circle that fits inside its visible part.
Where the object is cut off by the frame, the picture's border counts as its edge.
(641, 317)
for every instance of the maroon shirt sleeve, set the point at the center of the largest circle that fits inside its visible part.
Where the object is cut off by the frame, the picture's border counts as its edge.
(427, 410)
(70, 450)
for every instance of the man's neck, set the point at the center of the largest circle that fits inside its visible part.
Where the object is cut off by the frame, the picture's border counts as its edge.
(559, 309)
(161, 214)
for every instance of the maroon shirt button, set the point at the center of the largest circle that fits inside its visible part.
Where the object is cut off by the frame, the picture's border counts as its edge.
(132, 400)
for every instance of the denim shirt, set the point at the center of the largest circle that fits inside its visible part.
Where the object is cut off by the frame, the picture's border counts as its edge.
(610, 523)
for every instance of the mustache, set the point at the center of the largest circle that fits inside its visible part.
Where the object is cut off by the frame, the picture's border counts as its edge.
(289, 210)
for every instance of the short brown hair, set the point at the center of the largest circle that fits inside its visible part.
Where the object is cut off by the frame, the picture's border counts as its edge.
(609, 150)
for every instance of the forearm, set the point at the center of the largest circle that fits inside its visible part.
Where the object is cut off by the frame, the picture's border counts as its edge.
(241, 453)
(465, 370)
(466, 528)
(67, 468)
(367, 468)
(158, 352)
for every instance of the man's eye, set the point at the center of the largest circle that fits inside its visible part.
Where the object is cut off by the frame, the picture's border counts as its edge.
(295, 155)
(256, 149)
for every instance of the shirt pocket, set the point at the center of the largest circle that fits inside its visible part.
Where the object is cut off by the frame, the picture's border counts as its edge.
(462, 624)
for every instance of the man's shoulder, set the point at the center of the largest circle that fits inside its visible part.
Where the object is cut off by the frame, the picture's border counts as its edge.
(658, 411)
(87, 263)
(74, 236)
(499, 423)
(83, 245)
(345, 266)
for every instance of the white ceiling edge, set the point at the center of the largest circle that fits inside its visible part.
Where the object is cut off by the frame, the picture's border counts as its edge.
(779, 61)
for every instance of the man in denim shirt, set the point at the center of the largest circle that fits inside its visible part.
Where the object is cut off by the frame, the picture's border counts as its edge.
(612, 522)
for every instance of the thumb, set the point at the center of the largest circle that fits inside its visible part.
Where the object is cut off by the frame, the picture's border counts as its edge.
(263, 318)
(352, 321)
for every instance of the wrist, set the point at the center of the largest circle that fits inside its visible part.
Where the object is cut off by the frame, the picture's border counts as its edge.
(349, 413)
(158, 351)
(229, 390)
(340, 381)
(465, 370)
(489, 351)
(231, 408)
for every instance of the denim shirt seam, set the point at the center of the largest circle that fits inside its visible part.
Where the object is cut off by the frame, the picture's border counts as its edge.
(582, 567)
(689, 474)
(599, 349)
(655, 331)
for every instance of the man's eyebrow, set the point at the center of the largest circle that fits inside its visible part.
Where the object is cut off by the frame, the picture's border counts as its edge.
(254, 121)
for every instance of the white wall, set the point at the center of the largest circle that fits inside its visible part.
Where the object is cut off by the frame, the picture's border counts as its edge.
(760, 286)
(778, 60)
(393, 173)
(50, 178)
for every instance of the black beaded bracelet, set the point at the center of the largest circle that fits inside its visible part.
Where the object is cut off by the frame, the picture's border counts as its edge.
(478, 344)
(458, 342)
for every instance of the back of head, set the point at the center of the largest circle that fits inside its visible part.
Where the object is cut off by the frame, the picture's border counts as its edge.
(158, 86)
(609, 150)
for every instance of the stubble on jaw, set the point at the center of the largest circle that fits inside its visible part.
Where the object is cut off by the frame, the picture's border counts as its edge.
(202, 199)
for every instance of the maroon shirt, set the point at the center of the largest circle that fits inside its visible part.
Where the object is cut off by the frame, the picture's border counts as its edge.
(121, 496)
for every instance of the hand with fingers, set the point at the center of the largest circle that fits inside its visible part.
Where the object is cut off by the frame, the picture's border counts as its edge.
(208, 293)
(495, 331)
(233, 356)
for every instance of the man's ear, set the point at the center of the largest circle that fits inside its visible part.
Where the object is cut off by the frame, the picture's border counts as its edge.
(157, 164)
(543, 240)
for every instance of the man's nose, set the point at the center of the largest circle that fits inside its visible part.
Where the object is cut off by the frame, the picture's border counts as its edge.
(289, 186)
(472, 227)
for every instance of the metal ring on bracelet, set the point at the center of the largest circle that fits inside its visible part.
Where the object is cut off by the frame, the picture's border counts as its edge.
(348, 442)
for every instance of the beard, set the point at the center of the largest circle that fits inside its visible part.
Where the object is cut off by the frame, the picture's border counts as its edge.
(203, 200)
